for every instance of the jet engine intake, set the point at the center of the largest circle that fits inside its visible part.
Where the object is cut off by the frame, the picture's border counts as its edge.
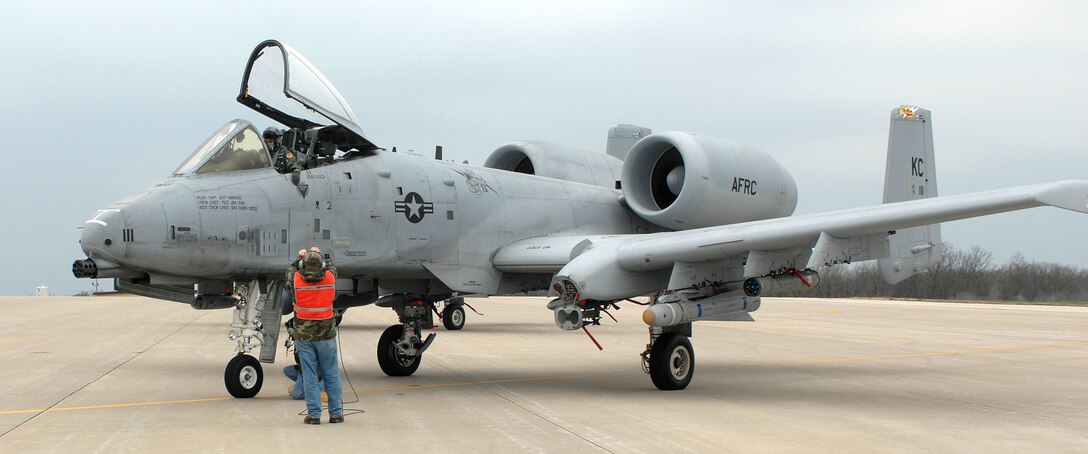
(683, 181)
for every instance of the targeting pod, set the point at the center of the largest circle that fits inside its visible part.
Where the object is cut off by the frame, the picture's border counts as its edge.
(795, 280)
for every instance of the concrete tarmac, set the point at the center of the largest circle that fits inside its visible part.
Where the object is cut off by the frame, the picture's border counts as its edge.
(130, 374)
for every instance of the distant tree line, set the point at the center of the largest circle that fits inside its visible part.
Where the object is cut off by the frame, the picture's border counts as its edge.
(960, 275)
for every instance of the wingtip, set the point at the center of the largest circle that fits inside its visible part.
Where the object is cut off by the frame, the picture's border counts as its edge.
(1070, 194)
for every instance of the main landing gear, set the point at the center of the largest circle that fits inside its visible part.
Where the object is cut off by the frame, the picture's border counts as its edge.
(401, 347)
(453, 316)
(669, 357)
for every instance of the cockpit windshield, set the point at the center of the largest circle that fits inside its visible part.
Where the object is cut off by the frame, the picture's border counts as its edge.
(235, 146)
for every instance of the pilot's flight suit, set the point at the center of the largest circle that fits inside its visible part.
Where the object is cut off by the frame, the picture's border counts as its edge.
(284, 160)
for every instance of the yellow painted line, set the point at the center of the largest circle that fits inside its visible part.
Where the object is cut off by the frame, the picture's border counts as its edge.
(130, 404)
(558, 378)
(134, 404)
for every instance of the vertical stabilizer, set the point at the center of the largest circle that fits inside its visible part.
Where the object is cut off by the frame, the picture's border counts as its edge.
(910, 175)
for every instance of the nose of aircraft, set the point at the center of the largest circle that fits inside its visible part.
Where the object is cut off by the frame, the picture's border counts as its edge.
(104, 235)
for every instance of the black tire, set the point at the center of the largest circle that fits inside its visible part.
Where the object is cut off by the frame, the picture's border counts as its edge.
(243, 376)
(453, 317)
(392, 363)
(672, 362)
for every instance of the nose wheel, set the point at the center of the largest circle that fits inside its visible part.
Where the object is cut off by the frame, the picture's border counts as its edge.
(253, 308)
(243, 376)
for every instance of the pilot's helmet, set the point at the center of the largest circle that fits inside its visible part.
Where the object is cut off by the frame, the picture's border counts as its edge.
(312, 260)
(271, 133)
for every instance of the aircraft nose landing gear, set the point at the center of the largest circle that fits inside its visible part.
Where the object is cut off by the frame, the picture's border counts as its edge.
(243, 376)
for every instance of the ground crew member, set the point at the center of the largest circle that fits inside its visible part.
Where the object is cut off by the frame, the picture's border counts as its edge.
(315, 337)
(283, 159)
(296, 264)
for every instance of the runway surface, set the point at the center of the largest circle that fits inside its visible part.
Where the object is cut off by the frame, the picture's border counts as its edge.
(126, 374)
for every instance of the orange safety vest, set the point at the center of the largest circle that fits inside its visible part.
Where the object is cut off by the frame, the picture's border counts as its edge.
(314, 301)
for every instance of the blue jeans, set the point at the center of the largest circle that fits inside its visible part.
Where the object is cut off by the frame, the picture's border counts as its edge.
(296, 377)
(320, 356)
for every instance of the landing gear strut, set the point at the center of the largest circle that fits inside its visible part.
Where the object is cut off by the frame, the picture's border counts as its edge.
(244, 376)
(397, 353)
(400, 347)
(669, 357)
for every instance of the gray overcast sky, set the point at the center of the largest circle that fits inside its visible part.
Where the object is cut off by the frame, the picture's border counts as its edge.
(100, 100)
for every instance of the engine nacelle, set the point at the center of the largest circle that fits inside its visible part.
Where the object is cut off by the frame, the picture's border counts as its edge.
(683, 181)
(556, 161)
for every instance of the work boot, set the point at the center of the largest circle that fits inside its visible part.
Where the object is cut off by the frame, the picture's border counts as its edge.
(336, 419)
(314, 421)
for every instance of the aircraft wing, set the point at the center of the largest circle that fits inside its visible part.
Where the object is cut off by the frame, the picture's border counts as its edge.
(624, 266)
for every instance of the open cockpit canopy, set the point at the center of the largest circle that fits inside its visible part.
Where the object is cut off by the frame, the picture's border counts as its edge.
(283, 85)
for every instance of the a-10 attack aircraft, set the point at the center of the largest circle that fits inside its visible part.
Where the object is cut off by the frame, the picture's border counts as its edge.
(700, 224)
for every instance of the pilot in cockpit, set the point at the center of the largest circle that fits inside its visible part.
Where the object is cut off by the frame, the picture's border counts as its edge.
(283, 159)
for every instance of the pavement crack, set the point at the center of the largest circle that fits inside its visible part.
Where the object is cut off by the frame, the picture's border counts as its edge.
(549, 421)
